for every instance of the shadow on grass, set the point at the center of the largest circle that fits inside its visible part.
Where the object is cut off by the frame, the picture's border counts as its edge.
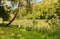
(4, 25)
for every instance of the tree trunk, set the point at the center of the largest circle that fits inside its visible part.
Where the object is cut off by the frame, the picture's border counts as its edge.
(14, 16)
(12, 19)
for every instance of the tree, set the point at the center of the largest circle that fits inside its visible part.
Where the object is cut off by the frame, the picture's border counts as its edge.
(19, 6)
(29, 6)
(58, 9)
(15, 14)
(4, 13)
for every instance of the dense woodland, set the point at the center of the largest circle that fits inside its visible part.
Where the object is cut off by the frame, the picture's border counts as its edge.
(45, 9)
(29, 9)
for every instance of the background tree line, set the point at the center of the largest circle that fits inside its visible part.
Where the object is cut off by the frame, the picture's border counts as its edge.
(28, 9)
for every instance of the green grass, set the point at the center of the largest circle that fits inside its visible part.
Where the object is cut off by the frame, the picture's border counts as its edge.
(15, 32)
(21, 33)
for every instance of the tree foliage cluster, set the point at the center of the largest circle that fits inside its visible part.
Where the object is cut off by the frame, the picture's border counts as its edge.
(4, 13)
(27, 9)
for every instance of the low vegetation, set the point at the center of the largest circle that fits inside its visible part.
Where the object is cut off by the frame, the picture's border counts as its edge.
(22, 32)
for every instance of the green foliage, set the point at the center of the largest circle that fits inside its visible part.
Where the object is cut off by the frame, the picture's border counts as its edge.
(42, 10)
(55, 22)
(58, 8)
(4, 14)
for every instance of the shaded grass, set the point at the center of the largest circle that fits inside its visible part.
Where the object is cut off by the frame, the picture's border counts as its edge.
(4, 25)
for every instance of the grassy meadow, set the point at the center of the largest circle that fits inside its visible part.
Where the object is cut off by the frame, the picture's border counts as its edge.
(25, 31)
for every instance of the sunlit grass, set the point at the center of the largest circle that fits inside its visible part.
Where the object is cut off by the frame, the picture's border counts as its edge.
(22, 32)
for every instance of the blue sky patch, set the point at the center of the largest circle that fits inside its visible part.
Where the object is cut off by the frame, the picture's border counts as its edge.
(38, 0)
